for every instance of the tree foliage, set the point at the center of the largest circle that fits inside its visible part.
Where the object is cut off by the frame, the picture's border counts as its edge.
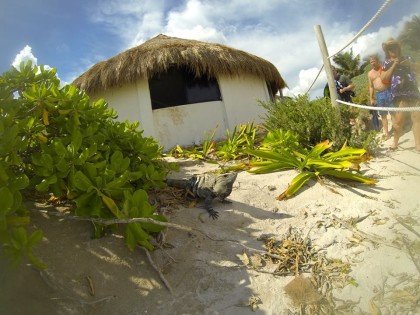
(410, 35)
(348, 64)
(55, 140)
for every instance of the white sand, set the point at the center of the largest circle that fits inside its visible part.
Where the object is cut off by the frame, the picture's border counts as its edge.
(208, 276)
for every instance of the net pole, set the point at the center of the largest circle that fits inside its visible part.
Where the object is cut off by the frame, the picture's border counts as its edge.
(327, 65)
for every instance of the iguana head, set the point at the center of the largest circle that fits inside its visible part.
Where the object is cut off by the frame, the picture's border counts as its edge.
(224, 184)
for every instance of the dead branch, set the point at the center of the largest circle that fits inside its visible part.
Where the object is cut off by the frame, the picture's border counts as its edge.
(150, 220)
(407, 226)
(162, 277)
(120, 221)
(373, 238)
(411, 254)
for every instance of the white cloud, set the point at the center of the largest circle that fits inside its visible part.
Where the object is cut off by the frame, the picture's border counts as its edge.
(133, 21)
(306, 78)
(281, 31)
(371, 43)
(24, 55)
(193, 22)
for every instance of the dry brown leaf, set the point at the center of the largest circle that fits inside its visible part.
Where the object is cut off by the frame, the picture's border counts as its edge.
(253, 302)
(256, 261)
(244, 258)
(374, 310)
(302, 291)
(403, 296)
(192, 204)
(355, 240)
(380, 221)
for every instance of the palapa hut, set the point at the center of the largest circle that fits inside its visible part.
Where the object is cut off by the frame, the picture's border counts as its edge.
(178, 89)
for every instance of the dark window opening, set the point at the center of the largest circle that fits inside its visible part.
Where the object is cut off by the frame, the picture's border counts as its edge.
(271, 93)
(179, 86)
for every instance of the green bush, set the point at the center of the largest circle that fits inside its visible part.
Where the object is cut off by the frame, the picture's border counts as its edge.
(55, 140)
(361, 83)
(314, 121)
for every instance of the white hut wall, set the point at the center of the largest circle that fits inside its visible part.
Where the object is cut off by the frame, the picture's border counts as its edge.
(132, 103)
(240, 97)
(186, 124)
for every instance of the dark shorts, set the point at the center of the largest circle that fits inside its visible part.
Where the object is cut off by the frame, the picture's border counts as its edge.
(383, 99)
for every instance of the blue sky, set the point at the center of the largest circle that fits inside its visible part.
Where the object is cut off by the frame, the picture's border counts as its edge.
(74, 35)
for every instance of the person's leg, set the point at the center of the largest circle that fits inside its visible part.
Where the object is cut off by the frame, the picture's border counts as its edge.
(375, 120)
(415, 118)
(398, 124)
(383, 99)
(408, 122)
(385, 125)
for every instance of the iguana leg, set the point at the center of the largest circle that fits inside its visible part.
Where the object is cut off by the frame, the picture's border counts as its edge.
(207, 205)
(189, 193)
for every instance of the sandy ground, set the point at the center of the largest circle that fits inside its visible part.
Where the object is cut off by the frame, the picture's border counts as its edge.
(220, 270)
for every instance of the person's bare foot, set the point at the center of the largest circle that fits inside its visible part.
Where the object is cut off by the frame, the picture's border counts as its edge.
(393, 147)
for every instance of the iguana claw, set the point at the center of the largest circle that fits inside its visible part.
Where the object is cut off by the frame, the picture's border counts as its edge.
(213, 214)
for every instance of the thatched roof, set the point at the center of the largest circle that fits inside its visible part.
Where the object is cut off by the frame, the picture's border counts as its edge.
(161, 52)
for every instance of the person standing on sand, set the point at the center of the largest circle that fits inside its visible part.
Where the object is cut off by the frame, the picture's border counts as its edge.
(383, 93)
(397, 70)
(343, 84)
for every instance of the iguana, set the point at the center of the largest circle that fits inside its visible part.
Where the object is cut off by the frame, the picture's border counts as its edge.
(208, 187)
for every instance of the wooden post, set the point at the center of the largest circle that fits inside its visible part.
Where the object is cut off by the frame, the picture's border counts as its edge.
(327, 65)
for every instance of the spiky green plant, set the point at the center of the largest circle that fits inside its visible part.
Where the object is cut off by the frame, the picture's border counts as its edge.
(242, 137)
(280, 139)
(202, 152)
(314, 163)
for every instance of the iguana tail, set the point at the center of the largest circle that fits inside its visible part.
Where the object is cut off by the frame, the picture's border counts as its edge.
(178, 183)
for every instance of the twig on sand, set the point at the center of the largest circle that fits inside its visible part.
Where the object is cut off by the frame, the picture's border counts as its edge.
(162, 277)
(373, 238)
(50, 281)
(406, 244)
(150, 220)
(407, 226)
(82, 301)
(360, 219)
(166, 224)
(118, 221)
(410, 252)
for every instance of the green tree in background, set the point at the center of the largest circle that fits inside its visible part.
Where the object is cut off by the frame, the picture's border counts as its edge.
(348, 64)
(410, 34)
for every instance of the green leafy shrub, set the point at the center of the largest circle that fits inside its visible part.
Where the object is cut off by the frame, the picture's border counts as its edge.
(314, 121)
(56, 140)
(361, 83)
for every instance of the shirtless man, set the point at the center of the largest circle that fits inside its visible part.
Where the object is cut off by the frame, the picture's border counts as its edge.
(383, 94)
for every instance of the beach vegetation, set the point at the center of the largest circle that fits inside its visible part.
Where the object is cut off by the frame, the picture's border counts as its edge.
(57, 142)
